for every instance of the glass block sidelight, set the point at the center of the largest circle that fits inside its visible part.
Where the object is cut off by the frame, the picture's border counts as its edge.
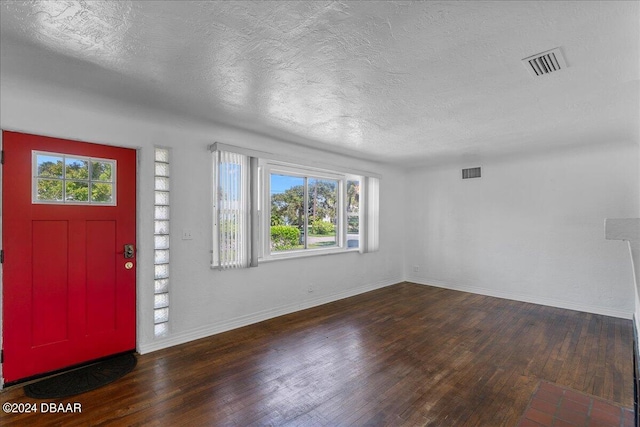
(161, 329)
(161, 242)
(162, 256)
(162, 169)
(162, 198)
(161, 286)
(162, 183)
(161, 227)
(161, 300)
(162, 212)
(161, 315)
(162, 155)
(162, 271)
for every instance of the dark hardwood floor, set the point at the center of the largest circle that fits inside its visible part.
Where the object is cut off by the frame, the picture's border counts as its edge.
(403, 355)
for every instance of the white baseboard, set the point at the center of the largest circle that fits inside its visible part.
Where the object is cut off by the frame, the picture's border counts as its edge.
(238, 322)
(534, 299)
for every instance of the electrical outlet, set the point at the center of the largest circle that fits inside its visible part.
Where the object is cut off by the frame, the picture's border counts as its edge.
(416, 268)
(310, 289)
(187, 234)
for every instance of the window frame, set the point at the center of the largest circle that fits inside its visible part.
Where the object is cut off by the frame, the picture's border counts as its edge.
(259, 205)
(269, 167)
(64, 180)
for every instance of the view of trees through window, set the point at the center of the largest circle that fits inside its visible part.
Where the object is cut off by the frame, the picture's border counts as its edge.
(69, 179)
(353, 214)
(292, 226)
(267, 209)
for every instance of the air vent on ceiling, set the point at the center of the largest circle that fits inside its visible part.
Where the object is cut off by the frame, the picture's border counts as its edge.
(471, 173)
(545, 62)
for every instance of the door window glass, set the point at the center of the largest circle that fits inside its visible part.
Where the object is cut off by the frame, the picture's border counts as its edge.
(67, 179)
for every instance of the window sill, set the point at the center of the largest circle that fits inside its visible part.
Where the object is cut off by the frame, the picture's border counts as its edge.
(307, 254)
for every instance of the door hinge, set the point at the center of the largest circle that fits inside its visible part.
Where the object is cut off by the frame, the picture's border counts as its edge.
(1, 356)
(1, 256)
(2, 157)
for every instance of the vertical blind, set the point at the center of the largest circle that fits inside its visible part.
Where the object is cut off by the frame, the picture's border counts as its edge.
(372, 205)
(231, 240)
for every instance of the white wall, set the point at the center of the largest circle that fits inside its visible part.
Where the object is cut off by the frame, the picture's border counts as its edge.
(204, 301)
(531, 229)
(636, 263)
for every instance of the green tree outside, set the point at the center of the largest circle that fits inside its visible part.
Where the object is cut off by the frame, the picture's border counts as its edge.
(288, 207)
(75, 179)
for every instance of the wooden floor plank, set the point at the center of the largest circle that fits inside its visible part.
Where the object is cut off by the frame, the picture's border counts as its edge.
(403, 355)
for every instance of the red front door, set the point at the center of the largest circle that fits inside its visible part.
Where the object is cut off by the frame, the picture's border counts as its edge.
(68, 283)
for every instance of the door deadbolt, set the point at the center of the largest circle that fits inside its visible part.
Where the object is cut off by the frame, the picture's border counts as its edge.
(128, 251)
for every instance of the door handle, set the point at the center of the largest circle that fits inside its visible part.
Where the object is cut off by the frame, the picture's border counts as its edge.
(128, 251)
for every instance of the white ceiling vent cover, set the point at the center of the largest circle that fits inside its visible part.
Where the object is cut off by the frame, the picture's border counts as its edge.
(545, 62)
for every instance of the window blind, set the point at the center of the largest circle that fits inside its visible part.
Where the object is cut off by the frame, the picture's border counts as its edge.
(372, 215)
(231, 240)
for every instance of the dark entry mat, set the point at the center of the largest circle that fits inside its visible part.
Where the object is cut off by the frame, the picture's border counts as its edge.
(82, 380)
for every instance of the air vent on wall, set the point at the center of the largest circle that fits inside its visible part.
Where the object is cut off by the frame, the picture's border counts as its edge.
(471, 173)
(545, 62)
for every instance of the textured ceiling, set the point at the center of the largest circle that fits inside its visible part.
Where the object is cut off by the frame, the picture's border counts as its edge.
(393, 81)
